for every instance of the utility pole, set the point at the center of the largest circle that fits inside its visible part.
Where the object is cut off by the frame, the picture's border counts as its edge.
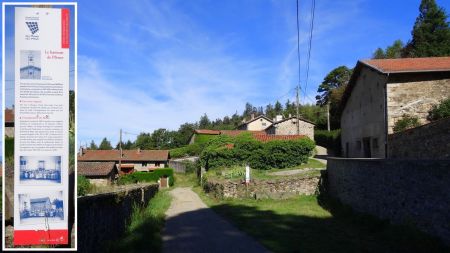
(120, 148)
(328, 115)
(297, 109)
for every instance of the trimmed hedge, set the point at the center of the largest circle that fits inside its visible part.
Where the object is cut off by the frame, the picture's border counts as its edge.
(331, 140)
(154, 176)
(226, 151)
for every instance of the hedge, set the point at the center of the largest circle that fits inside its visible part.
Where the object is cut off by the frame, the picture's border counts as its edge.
(154, 176)
(329, 139)
(83, 185)
(226, 151)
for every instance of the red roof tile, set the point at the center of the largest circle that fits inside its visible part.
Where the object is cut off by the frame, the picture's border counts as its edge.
(128, 155)
(410, 64)
(9, 115)
(95, 168)
(207, 131)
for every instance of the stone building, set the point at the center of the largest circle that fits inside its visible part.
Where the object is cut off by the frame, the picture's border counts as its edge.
(380, 92)
(98, 173)
(131, 160)
(288, 126)
(259, 123)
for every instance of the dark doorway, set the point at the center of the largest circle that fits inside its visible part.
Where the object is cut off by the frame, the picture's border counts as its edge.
(366, 147)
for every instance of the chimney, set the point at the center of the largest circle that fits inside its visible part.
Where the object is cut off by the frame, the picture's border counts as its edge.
(279, 117)
(138, 150)
(253, 115)
(290, 115)
(82, 151)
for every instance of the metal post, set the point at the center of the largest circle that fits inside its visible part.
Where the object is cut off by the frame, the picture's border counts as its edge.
(120, 148)
(328, 115)
(298, 116)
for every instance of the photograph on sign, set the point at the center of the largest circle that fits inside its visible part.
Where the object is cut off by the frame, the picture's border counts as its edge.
(42, 208)
(35, 170)
(30, 64)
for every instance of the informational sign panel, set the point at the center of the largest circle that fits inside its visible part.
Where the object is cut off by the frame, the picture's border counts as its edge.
(41, 144)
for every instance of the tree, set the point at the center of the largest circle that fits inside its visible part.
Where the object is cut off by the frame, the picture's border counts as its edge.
(278, 108)
(105, 145)
(395, 50)
(144, 141)
(431, 32)
(336, 78)
(204, 122)
(379, 54)
(270, 111)
(440, 111)
(93, 146)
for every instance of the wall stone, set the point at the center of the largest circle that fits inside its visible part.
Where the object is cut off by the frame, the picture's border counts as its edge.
(430, 141)
(413, 192)
(262, 188)
(103, 217)
(289, 127)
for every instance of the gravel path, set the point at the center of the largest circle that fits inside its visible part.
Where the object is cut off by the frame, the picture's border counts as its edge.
(192, 227)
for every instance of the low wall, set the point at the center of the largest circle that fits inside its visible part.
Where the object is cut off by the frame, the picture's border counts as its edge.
(413, 192)
(262, 188)
(430, 141)
(103, 217)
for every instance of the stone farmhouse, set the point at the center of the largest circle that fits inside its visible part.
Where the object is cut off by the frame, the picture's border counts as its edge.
(131, 160)
(380, 92)
(259, 123)
(98, 173)
(288, 126)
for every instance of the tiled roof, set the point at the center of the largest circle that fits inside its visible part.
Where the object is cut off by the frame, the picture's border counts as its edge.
(207, 131)
(238, 132)
(95, 168)
(409, 64)
(301, 119)
(128, 155)
(9, 115)
(270, 137)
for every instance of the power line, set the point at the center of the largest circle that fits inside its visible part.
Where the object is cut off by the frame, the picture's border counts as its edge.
(298, 48)
(311, 29)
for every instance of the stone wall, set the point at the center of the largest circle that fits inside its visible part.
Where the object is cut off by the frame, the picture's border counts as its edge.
(413, 192)
(103, 217)
(262, 188)
(289, 127)
(430, 141)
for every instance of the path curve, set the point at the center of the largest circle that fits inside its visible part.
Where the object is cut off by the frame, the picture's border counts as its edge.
(193, 227)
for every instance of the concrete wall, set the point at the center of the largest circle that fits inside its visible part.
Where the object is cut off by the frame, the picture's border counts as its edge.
(415, 94)
(430, 141)
(103, 217)
(363, 116)
(263, 188)
(413, 192)
(289, 127)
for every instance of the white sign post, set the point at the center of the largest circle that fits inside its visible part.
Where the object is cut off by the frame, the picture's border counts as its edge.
(247, 174)
(41, 146)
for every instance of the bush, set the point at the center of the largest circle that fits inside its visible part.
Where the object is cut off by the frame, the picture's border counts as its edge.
(226, 151)
(330, 140)
(84, 186)
(154, 176)
(406, 122)
(440, 111)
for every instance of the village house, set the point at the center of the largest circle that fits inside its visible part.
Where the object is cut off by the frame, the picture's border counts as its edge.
(380, 92)
(259, 123)
(288, 126)
(98, 173)
(131, 160)
(9, 122)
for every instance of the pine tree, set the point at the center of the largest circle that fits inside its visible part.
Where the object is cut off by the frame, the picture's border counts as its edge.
(105, 145)
(431, 32)
(93, 146)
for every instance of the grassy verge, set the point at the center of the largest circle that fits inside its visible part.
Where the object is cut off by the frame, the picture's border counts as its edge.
(144, 230)
(185, 179)
(300, 224)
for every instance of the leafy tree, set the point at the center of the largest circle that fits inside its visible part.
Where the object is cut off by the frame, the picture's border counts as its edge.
(72, 111)
(406, 122)
(440, 111)
(125, 145)
(105, 145)
(431, 32)
(336, 78)
(395, 50)
(93, 146)
(144, 141)
(379, 54)
(204, 122)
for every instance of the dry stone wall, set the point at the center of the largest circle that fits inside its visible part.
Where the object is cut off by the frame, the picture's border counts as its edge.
(413, 192)
(103, 217)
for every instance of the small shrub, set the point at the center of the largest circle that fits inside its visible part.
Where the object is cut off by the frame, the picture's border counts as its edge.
(329, 139)
(440, 111)
(154, 176)
(406, 122)
(84, 186)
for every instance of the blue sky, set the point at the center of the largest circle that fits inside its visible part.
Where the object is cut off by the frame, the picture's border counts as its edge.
(144, 65)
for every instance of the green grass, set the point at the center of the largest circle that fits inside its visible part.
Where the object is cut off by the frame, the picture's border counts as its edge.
(144, 230)
(300, 224)
(185, 179)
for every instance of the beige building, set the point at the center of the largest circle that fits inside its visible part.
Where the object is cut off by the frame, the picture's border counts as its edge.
(259, 123)
(380, 92)
(288, 126)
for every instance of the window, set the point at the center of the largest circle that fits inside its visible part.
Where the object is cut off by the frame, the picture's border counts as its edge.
(375, 143)
(144, 164)
(157, 164)
(264, 123)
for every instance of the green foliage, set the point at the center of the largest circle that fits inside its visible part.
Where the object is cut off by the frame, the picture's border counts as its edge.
(226, 151)
(406, 122)
(431, 32)
(105, 145)
(440, 111)
(194, 149)
(93, 146)
(83, 185)
(331, 139)
(9, 147)
(154, 176)
(391, 52)
(236, 172)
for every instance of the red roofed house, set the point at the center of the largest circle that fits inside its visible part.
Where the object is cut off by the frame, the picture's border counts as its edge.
(259, 123)
(380, 92)
(131, 160)
(98, 173)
